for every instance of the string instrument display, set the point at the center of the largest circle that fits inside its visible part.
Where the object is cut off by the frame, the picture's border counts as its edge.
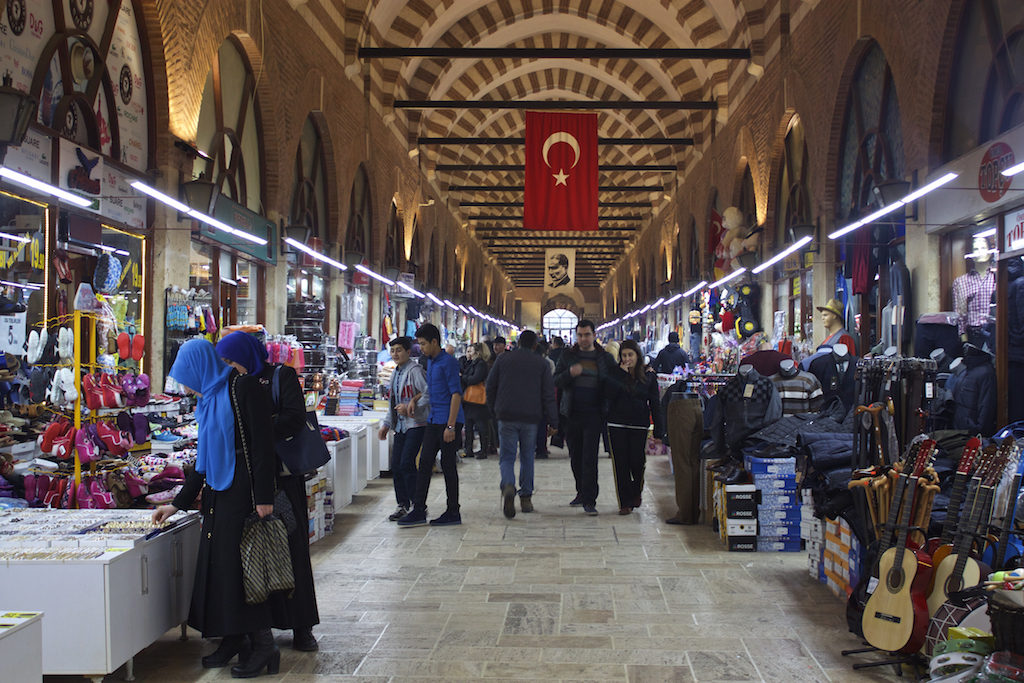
(1005, 551)
(968, 458)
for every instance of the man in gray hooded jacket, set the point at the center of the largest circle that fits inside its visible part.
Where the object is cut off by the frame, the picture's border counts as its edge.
(408, 409)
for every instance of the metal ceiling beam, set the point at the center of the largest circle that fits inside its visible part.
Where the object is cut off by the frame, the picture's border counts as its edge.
(519, 218)
(522, 168)
(520, 188)
(546, 105)
(602, 234)
(514, 228)
(392, 52)
(628, 142)
(632, 205)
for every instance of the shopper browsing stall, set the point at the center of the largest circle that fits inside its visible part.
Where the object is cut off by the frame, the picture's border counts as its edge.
(408, 410)
(235, 469)
(297, 612)
(478, 416)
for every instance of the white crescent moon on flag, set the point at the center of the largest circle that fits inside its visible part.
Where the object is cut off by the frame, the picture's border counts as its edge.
(561, 136)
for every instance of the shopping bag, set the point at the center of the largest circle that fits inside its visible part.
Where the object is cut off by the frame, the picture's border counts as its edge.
(266, 562)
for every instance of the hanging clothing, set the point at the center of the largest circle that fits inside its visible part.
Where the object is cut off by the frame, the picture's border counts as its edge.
(972, 295)
(800, 392)
(747, 403)
(838, 379)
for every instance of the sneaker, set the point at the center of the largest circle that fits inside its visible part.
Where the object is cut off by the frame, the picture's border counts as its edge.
(591, 510)
(400, 511)
(526, 503)
(576, 502)
(414, 518)
(508, 498)
(449, 518)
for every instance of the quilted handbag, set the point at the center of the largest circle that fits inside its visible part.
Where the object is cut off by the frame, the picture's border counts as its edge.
(266, 562)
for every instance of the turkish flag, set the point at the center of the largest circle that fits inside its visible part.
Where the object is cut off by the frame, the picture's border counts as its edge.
(561, 171)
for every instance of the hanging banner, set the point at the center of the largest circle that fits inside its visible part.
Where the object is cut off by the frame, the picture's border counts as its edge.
(561, 171)
(560, 265)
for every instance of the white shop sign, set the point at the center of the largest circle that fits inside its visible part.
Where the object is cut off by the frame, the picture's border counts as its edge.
(980, 188)
(12, 333)
(1013, 230)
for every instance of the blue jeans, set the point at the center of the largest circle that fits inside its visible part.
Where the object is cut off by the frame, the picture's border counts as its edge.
(403, 463)
(511, 435)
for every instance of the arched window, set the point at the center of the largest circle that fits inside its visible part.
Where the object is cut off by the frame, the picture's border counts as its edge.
(309, 198)
(694, 252)
(793, 277)
(746, 201)
(229, 128)
(393, 243)
(986, 90)
(871, 150)
(561, 322)
(360, 217)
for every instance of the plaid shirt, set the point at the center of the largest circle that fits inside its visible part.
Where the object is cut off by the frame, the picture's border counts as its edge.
(800, 393)
(972, 295)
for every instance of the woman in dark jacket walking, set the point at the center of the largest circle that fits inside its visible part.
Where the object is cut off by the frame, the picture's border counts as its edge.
(478, 416)
(633, 403)
(235, 467)
(298, 611)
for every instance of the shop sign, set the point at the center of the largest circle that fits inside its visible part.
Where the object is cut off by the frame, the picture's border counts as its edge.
(12, 333)
(1013, 231)
(31, 157)
(241, 218)
(80, 170)
(980, 188)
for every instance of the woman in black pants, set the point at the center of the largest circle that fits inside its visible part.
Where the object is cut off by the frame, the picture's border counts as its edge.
(478, 415)
(298, 612)
(633, 403)
(235, 467)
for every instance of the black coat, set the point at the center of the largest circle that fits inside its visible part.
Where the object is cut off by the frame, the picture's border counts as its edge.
(670, 357)
(520, 388)
(564, 380)
(1015, 304)
(473, 372)
(636, 403)
(975, 396)
(218, 597)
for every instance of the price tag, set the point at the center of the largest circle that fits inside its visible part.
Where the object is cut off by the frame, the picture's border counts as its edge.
(748, 391)
(12, 333)
(929, 391)
(872, 585)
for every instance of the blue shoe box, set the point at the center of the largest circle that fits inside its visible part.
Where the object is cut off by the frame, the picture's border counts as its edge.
(784, 544)
(756, 466)
(785, 514)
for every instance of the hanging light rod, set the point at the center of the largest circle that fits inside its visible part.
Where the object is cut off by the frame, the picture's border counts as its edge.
(913, 196)
(520, 188)
(411, 290)
(315, 254)
(671, 300)
(783, 254)
(731, 276)
(522, 168)
(376, 276)
(45, 188)
(1013, 170)
(628, 142)
(554, 52)
(519, 218)
(547, 105)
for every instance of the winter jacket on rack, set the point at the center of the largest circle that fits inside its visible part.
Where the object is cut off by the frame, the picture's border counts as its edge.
(835, 381)
(747, 403)
(635, 402)
(975, 396)
(1015, 306)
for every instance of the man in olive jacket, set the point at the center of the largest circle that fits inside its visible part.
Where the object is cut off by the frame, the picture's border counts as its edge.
(521, 394)
(581, 374)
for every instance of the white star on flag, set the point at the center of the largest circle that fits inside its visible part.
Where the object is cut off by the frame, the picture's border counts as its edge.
(561, 177)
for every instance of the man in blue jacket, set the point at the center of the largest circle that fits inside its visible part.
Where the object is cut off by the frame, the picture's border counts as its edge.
(521, 394)
(670, 357)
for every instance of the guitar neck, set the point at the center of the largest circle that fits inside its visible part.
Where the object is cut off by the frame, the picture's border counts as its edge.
(979, 523)
(956, 497)
(903, 530)
(1007, 523)
(891, 528)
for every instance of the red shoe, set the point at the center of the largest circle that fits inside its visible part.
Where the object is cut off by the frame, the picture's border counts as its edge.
(113, 392)
(55, 492)
(124, 346)
(138, 347)
(64, 445)
(93, 392)
(112, 438)
(85, 501)
(54, 430)
(101, 498)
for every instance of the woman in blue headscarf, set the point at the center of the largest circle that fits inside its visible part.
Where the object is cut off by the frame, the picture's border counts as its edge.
(297, 611)
(235, 468)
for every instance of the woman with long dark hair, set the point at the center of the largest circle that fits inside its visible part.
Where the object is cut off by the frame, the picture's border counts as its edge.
(478, 415)
(633, 404)
(235, 467)
(298, 611)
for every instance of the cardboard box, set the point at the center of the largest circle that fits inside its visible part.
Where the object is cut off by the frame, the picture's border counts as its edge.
(787, 513)
(740, 527)
(775, 529)
(743, 544)
(776, 482)
(758, 466)
(776, 498)
(740, 501)
(784, 544)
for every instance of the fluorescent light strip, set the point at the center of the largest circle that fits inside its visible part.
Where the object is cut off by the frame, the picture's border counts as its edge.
(991, 232)
(46, 188)
(463, 308)
(27, 285)
(410, 289)
(104, 247)
(658, 302)
(161, 197)
(433, 298)
(1013, 170)
(913, 196)
(475, 312)
(363, 269)
(645, 308)
(673, 299)
(783, 254)
(317, 255)
(696, 288)
(449, 304)
(734, 274)
(16, 238)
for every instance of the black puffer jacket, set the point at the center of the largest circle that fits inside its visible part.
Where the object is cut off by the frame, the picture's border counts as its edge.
(1015, 304)
(474, 372)
(975, 396)
(635, 403)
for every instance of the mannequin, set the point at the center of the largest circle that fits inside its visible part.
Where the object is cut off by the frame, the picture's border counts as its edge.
(972, 293)
(942, 360)
(787, 368)
(835, 332)
(836, 371)
(800, 391)
(747, 403)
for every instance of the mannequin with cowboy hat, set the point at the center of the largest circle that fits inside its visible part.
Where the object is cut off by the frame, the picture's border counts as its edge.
(835, 331)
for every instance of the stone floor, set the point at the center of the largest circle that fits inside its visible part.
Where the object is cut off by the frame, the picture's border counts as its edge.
(552, 595)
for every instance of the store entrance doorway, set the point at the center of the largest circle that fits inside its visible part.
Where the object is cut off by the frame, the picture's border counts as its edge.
(228, 303)
(561, 322)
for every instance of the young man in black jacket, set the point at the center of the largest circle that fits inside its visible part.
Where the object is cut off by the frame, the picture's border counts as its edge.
(671, 356)
(521, 394)
(581, 374)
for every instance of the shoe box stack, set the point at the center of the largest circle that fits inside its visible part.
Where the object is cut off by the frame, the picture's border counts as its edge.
(316, 495)
(812, 532)
(778, 511)
(306, 323)
(840, 558)
(736, 513)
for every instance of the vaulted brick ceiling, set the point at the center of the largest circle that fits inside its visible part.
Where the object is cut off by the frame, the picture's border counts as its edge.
(643, 24)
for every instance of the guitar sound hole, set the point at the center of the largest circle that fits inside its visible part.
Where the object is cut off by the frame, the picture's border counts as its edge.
(953, 587)
(895, 579)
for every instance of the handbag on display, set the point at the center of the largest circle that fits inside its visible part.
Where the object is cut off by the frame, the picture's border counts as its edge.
(306, 451)
(476, 393)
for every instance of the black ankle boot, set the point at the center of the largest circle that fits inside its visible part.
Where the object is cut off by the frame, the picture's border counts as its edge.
(264, 654)
(226, 651)
(303, 640)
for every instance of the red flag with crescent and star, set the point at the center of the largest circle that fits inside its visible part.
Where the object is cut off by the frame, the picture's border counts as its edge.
(561, 171)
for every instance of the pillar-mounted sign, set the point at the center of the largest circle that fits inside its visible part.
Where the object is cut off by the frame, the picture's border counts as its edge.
(241, 218)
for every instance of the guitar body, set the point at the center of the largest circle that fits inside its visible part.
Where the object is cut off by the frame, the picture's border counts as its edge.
(896, 614)
(939, 555)
(973, 574)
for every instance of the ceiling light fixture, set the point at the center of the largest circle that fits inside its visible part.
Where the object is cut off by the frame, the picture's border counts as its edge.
(1013, 170)
(199, 215)
(783, 254)
(161, 197)
(658, 302)
(315, 254)
(696, 288)
(731, 276)
(913, 196)
(673, 299)
(16, 238)
(411, 290)
(45, 188)
(376, 276)
(430, 295)
(21, 285)
(991, 232)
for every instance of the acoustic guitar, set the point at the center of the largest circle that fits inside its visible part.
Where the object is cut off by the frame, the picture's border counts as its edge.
(984, 462)
(956, 495)
(896, 614)
(1006, 549)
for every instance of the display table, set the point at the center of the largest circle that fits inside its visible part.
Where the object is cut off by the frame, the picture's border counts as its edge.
(21, 645)
(124, 587)
(367, 425)
(343, 470)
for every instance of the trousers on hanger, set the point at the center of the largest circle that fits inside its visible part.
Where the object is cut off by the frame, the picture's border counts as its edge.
(685, 431)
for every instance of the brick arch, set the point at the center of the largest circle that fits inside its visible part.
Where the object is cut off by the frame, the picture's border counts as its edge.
(323, 128)
(154, 61)
(944, 77)
(778, 148)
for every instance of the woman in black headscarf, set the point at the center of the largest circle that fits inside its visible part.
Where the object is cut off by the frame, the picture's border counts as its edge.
(298, 612)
